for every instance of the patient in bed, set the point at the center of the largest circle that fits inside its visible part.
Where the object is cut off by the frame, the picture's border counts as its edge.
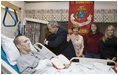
(30, 62)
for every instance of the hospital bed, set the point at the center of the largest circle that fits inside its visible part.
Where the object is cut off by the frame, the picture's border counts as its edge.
(6, 68)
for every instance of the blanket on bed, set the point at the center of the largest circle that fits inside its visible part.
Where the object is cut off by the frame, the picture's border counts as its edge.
(28, 64)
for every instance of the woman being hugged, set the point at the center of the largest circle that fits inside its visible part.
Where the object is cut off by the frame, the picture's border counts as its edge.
(77, 40)
(108, 44)
(92, 40)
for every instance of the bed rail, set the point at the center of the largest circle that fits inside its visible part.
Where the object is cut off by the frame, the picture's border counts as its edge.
(43, 50)
(91, 60)
(6, 69)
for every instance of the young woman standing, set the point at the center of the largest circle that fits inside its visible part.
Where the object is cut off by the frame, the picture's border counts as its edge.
(92, 40)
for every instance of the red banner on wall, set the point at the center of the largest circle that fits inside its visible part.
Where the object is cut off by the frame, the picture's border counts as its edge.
(82, 14)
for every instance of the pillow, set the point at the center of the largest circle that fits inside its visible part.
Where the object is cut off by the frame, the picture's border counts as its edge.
(10, 49)
(3, 56)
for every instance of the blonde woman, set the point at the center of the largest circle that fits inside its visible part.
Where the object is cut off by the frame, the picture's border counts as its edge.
(77, 41)
(108, 44)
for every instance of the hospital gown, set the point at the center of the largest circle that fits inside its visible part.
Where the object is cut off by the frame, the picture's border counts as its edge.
(27, 63)
(30, 64)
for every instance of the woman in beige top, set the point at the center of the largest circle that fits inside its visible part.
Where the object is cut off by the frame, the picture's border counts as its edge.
(77, 40)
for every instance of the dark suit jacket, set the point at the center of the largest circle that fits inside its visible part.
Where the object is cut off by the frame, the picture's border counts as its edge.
(57, 42)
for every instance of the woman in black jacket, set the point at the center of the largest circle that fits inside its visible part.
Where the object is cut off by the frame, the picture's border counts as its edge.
(108, 44)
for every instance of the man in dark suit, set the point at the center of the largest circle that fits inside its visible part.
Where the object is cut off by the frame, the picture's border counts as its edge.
(56, 42)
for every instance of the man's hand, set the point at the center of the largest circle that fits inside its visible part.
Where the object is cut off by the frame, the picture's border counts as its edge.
(45, 41)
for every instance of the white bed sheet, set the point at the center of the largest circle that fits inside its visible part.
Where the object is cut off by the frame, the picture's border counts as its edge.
(46, 67)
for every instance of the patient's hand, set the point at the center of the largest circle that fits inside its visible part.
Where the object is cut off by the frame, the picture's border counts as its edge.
(66, 65)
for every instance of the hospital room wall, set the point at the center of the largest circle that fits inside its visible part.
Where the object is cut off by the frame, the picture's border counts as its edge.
(65, 5)
(47, 5)
(10, 31)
